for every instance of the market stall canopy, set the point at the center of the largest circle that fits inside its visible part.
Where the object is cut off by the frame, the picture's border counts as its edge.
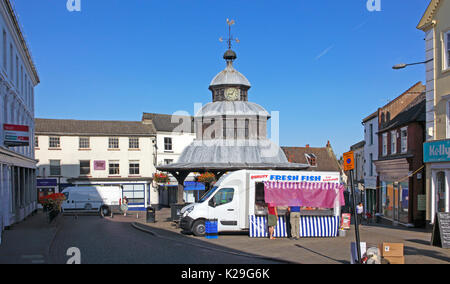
(309, 194)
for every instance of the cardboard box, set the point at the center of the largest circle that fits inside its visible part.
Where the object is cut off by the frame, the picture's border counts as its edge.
(391, 249)
(395, 259)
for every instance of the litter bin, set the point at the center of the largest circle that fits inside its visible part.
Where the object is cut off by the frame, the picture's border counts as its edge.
(176, 211)
(150, 214)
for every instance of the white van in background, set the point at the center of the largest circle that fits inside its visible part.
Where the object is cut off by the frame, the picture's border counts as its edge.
(102, 199)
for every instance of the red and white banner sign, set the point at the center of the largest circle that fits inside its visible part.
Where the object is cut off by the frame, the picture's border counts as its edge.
(16, 135)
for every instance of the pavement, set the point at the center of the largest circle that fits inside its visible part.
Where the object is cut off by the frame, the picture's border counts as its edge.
(30, 241)
(417, 248)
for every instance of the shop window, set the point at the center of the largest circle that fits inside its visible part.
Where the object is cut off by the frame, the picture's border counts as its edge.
(135, 193)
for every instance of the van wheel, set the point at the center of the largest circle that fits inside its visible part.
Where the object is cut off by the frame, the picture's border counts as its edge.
(105, 210)
(198, 229)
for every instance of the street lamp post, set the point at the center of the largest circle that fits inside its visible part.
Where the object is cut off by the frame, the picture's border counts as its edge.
(403, 65)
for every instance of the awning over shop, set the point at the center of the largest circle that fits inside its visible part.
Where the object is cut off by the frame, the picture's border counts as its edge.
(309, 194)
(192, 185)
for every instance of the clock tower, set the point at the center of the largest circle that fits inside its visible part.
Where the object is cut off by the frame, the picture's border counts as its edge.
(230, 84)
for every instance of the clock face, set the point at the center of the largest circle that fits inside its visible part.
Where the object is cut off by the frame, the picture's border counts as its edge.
(232, 94)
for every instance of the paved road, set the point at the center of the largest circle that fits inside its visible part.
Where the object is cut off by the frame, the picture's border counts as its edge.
(109, 241)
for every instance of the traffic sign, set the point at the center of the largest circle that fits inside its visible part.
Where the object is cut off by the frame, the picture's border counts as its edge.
(349, 161)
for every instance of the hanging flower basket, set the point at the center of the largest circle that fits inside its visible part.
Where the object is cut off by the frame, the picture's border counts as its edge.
(207, 178)
(161, 178)
(52, 201)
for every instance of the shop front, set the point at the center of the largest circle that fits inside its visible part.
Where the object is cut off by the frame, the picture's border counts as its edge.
(436, 156)
(398, 192)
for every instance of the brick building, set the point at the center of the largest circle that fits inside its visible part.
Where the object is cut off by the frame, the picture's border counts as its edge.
(399, 166)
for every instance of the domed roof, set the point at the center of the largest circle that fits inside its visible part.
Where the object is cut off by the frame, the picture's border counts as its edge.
(232, 108)
(219, 151)
(230, 76)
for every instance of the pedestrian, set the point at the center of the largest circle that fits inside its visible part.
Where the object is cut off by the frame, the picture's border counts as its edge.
(288, 222)
(295, 222)
(124, 206)
(359, 212)
(272, 219)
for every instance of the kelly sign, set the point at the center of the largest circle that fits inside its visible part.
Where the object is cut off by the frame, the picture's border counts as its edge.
(436, 151)
(16, 135)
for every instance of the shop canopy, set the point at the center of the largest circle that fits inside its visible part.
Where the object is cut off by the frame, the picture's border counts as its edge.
(309, 194)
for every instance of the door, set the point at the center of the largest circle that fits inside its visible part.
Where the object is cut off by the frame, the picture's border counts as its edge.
(223, 207)
(440, 192)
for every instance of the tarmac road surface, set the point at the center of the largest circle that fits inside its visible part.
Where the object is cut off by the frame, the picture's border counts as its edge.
(106, 241)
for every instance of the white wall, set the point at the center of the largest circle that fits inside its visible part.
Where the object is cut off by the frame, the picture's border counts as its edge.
(70, 156)
(370, 179)
(179, 142)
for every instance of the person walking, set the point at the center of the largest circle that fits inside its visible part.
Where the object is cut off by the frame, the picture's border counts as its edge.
(295, 222)
(359, 212)
(272, 219)
(124, 206)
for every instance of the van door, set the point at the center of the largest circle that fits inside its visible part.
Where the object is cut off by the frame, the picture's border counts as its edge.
(69, 203)
(223, 207)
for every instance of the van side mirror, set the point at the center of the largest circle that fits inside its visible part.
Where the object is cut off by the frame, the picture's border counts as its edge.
(212, 203)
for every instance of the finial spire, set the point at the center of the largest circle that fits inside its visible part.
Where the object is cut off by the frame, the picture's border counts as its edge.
(230, 38)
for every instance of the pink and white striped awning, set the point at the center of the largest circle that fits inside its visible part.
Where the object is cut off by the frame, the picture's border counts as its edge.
(309, 194)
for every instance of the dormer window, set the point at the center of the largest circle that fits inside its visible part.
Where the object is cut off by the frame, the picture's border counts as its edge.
(311, 159)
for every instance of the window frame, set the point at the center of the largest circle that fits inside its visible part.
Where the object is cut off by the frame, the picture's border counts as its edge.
(132, 169)
(446, 51)
(112, 142)
(58, 143)
(394, 142)
(133, 142)
(166, 144)
(84, 167)
(52, 173)
(114, 162)
(384, 142)
(402, 130)
(82, 145)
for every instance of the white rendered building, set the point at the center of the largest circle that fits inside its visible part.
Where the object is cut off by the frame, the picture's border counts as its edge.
(18, 77)
(88, 152)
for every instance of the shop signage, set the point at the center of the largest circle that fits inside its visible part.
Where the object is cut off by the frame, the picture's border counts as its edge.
(436, 151)
(441, 230)
(47, 182)
(99, 165)
(16, 135)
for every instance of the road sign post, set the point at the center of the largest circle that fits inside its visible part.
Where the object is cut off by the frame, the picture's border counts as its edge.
(349, 165)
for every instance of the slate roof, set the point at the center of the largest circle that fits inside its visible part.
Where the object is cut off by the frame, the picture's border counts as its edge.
(93, 127)
(170, 123)
(414, 113)
(325, 158)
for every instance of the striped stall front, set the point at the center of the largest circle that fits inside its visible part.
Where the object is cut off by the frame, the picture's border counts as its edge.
(310, 227)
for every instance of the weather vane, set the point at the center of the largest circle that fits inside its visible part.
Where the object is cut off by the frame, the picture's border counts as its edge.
(230, 38)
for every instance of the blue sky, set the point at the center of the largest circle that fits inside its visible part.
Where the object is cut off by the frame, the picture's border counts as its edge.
(323, 64)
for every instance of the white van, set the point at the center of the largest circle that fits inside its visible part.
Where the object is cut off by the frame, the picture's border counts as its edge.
(102, 199)
(240, 194)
